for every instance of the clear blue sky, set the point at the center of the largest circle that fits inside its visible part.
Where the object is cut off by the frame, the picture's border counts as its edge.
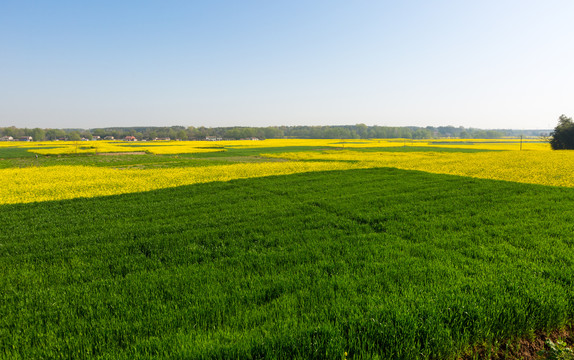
(484, 64)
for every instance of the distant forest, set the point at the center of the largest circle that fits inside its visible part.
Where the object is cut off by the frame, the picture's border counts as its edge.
(359, 131)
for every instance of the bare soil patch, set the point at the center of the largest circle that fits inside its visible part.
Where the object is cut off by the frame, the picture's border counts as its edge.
(524, 349)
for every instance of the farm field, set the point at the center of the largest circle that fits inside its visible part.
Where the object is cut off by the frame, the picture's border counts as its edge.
(298, 249)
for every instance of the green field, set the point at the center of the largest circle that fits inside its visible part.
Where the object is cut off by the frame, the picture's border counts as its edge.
(378, 263)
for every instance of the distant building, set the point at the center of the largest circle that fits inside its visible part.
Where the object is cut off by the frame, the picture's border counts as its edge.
(130, 138)
(96, 137)
(6, 138)
(109, 138)
(25, 138)
(162, 139)
(213, 138)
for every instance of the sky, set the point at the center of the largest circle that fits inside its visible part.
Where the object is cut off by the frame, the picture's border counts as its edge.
(490, 64)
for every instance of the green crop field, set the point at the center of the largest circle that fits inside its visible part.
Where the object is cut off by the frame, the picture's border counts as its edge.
(378, 264)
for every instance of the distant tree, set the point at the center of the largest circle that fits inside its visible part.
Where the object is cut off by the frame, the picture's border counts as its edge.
(12, 131)
(562, 138)
(86, 135)
(37, 134)
(55, 134)
(152, 134)
(74, 136)
(421, 133)
(181, 135)
(273, 133)
(362, 130)
(98, 132)
(493, 134)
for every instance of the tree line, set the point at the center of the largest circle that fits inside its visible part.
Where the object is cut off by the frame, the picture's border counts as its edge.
(562, 138)
(358, 131)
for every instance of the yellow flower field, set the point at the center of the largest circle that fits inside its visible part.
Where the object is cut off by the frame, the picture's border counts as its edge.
(67, 182)
(190, 147)
(537, 164)
(98, 147)
(553, 168)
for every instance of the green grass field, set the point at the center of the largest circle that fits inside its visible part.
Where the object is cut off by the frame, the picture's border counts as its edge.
(15, 152)
(380, 263)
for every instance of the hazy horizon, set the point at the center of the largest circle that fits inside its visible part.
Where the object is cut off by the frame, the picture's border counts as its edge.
(485, 65)
(232, 126)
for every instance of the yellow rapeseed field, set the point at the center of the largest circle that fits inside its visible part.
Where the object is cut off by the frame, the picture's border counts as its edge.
(98, 147)
(553, 168)
(24, 185)
(536, 164)
(190, 147)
